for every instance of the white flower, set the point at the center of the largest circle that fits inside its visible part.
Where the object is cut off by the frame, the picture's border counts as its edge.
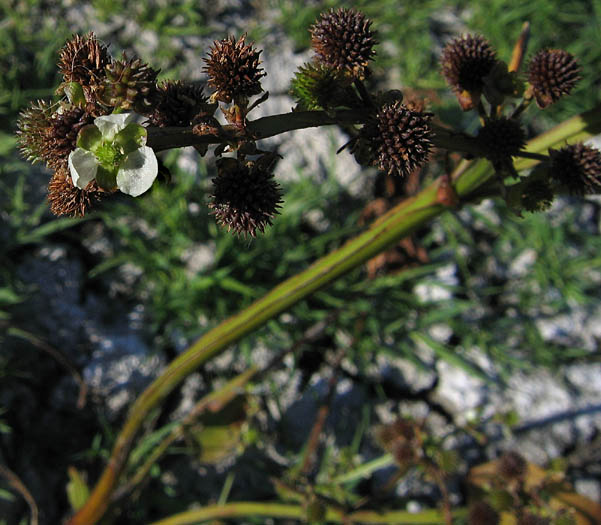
(113, 152)
(83, 167)
(138, 171)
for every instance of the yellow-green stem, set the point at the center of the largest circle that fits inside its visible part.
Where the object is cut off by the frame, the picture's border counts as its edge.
(279, 510)
(213, 401)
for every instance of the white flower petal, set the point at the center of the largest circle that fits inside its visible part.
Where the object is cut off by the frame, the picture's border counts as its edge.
(110, 125)
(83, 167)
(138, 171)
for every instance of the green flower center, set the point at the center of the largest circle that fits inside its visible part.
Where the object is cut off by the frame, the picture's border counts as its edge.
(109, 155)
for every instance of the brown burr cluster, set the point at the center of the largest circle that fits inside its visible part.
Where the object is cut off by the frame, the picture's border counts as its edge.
(245, 196)
(233, 69)
(552, 73)
(83, 59)
(342, 39)
(66, 199)
(178, 104)
(577, 167)
(398, 138)
(466, 60)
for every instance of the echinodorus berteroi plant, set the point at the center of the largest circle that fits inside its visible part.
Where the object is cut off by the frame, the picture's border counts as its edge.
(111, 118)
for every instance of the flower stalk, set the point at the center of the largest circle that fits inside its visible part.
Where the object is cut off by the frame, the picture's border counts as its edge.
(279, 510)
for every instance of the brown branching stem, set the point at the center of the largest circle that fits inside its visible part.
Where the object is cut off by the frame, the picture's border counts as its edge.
(320, 421)
(160, 139)
(15, 482)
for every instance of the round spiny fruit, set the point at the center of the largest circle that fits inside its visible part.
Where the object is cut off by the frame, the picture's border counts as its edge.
(466, 60)
(178, 104)
(552, 73)
(130, 84)
(577, 167)
(512, 465)
(481, 513)
(66, 199)
(318, 86)
(233, 69)
(50, 136)
(536, 195)
(32, 130)
(343, 41)
(61, 134)
(83, 60)
(398, 139)
(245, 198)
(500, 139)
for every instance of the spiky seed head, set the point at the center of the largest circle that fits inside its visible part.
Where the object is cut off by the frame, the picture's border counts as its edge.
(466, 60)
(481, 513)
(66, 199)
(32, 129)
(552, 73)
(318, 86)
(501, 138)
(342, 40)
(512, 465)
(83, 60)
(536, 196)
(61, 135)
(233, 69)
(245, 196)
(178, 104)
(130, 84)
(577, 167)
(398, 139)
(50, 135)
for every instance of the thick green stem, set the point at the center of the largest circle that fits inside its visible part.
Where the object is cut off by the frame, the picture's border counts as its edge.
(396, 224)
(279, 510)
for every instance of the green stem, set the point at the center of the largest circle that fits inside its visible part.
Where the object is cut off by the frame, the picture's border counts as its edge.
(213, 401)
(365, 470)
(160, 139)
(279, 510)
(396, 224)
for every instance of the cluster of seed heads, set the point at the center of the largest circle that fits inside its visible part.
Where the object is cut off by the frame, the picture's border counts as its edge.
(473, 70)
(393, 136)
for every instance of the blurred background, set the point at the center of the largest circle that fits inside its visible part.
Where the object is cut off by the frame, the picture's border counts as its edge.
(482, 320)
